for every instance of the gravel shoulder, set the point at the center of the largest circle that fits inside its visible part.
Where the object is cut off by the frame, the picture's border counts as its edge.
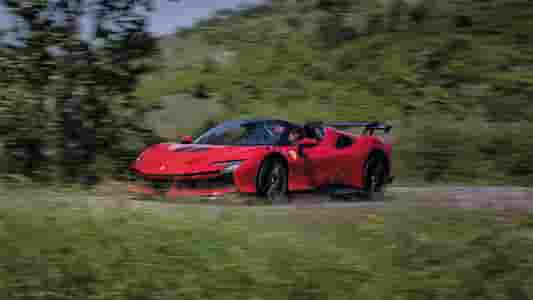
(502, 198)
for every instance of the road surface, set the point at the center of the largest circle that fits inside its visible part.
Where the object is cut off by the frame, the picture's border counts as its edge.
(506, 198)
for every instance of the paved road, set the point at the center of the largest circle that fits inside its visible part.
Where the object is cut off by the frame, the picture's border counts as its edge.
(501, 198)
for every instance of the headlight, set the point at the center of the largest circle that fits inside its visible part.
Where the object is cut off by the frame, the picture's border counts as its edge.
(229, 166)
(140, 157)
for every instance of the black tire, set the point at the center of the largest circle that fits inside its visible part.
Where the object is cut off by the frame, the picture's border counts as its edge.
(273, 181)
(375, 176)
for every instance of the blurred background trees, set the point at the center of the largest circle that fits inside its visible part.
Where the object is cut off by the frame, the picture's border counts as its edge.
(68, 70)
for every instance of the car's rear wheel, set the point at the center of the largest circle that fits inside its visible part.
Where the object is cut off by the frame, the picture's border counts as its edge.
(375, 177)
(273, 181)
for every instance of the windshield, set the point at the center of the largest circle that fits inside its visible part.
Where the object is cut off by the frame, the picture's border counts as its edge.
(244, 133)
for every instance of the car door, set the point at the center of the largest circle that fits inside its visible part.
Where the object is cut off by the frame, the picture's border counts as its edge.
(320, 163)
(311, 170)
(318, 166)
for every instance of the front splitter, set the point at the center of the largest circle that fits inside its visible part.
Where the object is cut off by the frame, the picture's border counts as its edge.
(174, 193)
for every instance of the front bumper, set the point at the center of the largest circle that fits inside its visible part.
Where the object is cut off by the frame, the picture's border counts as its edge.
(212, 186)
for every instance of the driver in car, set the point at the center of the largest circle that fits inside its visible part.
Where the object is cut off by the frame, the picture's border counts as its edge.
(295, 135)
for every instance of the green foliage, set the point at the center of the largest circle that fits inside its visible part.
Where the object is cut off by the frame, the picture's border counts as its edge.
(467, 152)
(76, 88)
(476, 72)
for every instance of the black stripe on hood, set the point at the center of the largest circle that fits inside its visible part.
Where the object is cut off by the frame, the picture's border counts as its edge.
(182, 149)
(191, 149)
(198, 149)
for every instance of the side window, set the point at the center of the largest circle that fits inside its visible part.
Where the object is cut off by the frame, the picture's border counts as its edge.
(343, 142)
(314, 132)
(319, 133)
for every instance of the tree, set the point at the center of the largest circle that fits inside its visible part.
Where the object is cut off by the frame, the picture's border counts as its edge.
(87, 72)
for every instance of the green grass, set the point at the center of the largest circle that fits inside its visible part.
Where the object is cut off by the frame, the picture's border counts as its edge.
(57, 245)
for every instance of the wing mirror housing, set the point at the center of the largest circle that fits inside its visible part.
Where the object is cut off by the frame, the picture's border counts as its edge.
(186, 139)
(306, 143)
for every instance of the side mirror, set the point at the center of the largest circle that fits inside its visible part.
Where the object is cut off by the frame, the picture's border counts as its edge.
(305, 143)
(186, 139)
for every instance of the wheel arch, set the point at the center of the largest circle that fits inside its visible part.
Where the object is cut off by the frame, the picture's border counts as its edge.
(376, 153)
(268, 157)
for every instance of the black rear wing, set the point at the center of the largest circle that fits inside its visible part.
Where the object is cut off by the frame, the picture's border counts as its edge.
(369, 127)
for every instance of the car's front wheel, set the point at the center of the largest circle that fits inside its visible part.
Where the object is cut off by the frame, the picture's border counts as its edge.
(273, 181)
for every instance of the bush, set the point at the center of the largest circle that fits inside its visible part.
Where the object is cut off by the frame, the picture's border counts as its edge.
(436, 149)
(465, 151)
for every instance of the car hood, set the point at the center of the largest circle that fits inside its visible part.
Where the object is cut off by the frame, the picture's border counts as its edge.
(176, 159)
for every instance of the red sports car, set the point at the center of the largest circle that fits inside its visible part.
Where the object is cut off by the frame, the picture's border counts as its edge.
(269, 158)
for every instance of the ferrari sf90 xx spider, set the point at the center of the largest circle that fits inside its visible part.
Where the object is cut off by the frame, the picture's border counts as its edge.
(268, 158)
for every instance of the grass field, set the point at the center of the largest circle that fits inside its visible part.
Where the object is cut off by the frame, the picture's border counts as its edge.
(59, 244)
